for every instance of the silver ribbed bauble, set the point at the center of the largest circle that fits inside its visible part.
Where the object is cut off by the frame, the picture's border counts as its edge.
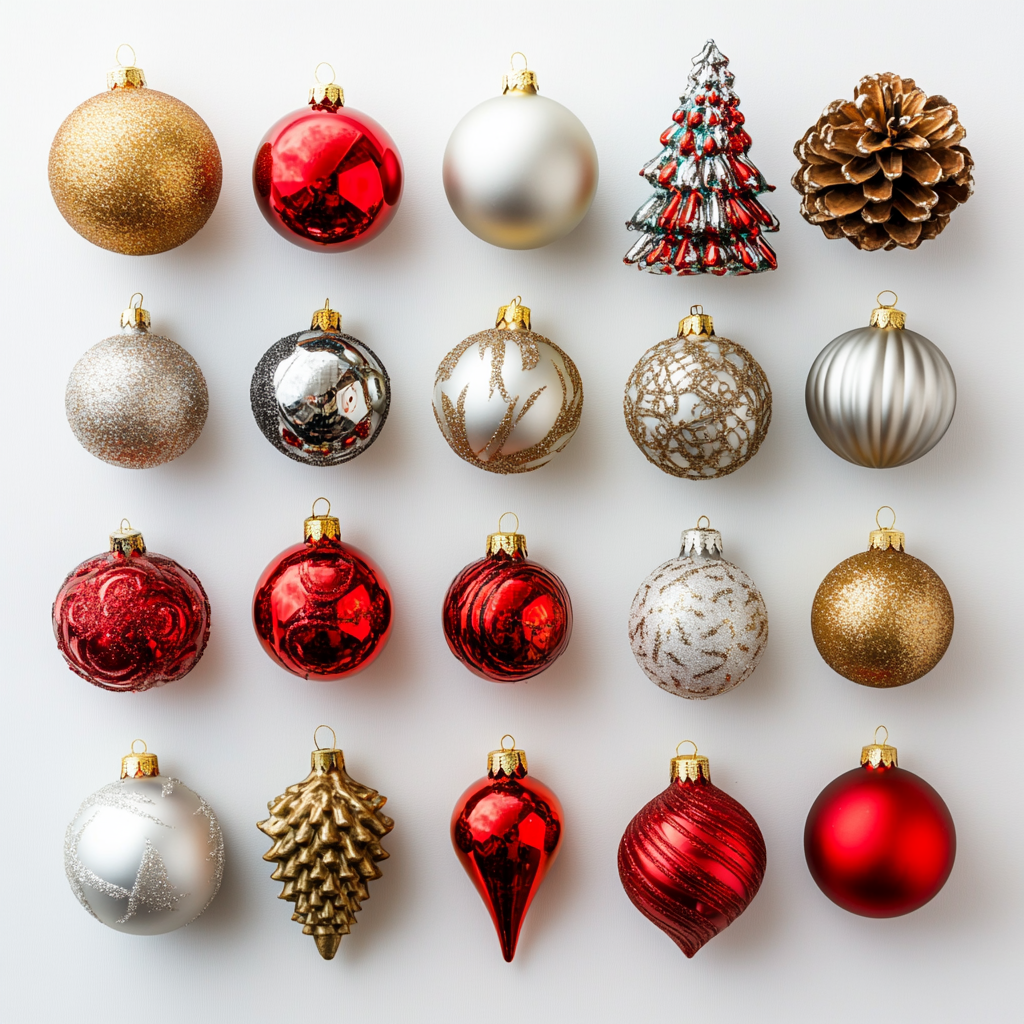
(144, 855)
(507, 400)
(320, 397)
(137, 399)
(881, 396)
(520, 170)
(698, 625)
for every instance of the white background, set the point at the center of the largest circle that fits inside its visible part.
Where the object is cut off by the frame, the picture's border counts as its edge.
(418, 726)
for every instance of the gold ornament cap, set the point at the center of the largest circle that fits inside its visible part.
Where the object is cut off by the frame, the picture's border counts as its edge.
(326, 319)
(325, 94)
(326, 759)
(135, 316)
(127, 541)
(698, 322)
(139, 764)
(325, 527)
(702, 540)
(876, 753)
(689, 766)
(885, 536)
(513, 317)
(886, 316)
(519, 81)
(125, 76)
(511, 543)
(507, 760)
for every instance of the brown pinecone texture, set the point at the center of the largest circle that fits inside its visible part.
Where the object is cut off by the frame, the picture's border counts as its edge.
(886, 168)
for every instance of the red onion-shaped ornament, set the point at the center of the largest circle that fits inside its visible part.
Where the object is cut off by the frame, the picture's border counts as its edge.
(322, 609)
(327, 177)
(507, 618)
(507, 830)
(130, 619)
(692, 859)
(879, 841)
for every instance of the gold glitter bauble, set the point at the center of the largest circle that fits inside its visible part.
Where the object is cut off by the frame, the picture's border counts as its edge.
(882, 618)
(135, 171)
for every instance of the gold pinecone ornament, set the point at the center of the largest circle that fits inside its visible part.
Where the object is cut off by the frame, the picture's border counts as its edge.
(884, 169)
(326, 831)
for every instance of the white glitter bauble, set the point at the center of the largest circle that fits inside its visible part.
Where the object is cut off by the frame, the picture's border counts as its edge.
(144, 855)
(698, 625)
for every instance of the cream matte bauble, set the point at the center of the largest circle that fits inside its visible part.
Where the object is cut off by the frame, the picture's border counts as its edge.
(881, 396)
(520, 170)
(698, 625)
(507, 400)
(144, 855)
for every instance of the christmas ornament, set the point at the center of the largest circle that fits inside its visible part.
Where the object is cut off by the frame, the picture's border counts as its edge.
(507, 830)
(704, 216)
(131, 619)
(698, 406)
(320, 396)
(322, 609)
(144, 855)
(881, 395)
(520, 170)
(507, 618)
(884, 169)
(507, 400)
(136, 399)
(693, 859)
(879, 840)
(327, 177)
(134, 170)
(326, 832)
(698, 625)
(882, 618)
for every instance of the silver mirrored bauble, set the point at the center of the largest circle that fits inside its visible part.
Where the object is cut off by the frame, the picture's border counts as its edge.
(520, 170)
(698, 625)
(320, 397)
(880, 397)
(144, 855)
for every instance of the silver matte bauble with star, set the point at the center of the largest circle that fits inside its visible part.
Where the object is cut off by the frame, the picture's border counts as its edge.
(520, 170)
(144, 855)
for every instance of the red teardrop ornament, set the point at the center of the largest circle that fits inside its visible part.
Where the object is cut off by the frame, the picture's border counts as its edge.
(507, 830)
(692, 859)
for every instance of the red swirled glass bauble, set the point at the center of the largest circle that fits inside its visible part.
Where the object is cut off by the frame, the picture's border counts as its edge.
(692, 859)
(507, 618)
(130, 619)
(322, 609)
(879, 841)
(507, 830)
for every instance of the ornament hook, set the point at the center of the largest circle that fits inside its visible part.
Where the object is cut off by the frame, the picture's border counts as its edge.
(887, 305)
(135, 305)
(117, 55)
(699, 527)
(512, 61)
(327, 513)
(692, 744)
(334, 737)
(696, 309)
(144, 749)
(879, 512)
(125, 526)
(507, 736)
(884, 741)
(514, 516)
(316, 73)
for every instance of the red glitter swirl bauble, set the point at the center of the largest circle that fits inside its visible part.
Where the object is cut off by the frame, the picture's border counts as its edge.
(507, 830)
(692, 859)
(327, 177)
(879, 841)
(131, 619)
(507, 618)
(322, 609)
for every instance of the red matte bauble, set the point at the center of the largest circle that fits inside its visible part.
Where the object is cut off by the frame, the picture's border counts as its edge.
(131, 622)
(879, 841)
(507, 830)
(328, 178)
(691, 861)
(507, 618)
(322, 609)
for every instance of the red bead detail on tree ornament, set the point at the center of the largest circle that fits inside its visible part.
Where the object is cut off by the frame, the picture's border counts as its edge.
(328, 178)
(322, 610)
(879, 841)
(129, 623)
(507, 618)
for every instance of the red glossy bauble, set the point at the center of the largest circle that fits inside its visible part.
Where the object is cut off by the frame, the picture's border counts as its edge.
(322, 609)
(692, 859)
(327, 177)
(131, 619)
(507, 618)
(879, 840)
(507, 830)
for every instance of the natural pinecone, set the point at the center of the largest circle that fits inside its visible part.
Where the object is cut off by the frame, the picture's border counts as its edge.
(885, 169)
